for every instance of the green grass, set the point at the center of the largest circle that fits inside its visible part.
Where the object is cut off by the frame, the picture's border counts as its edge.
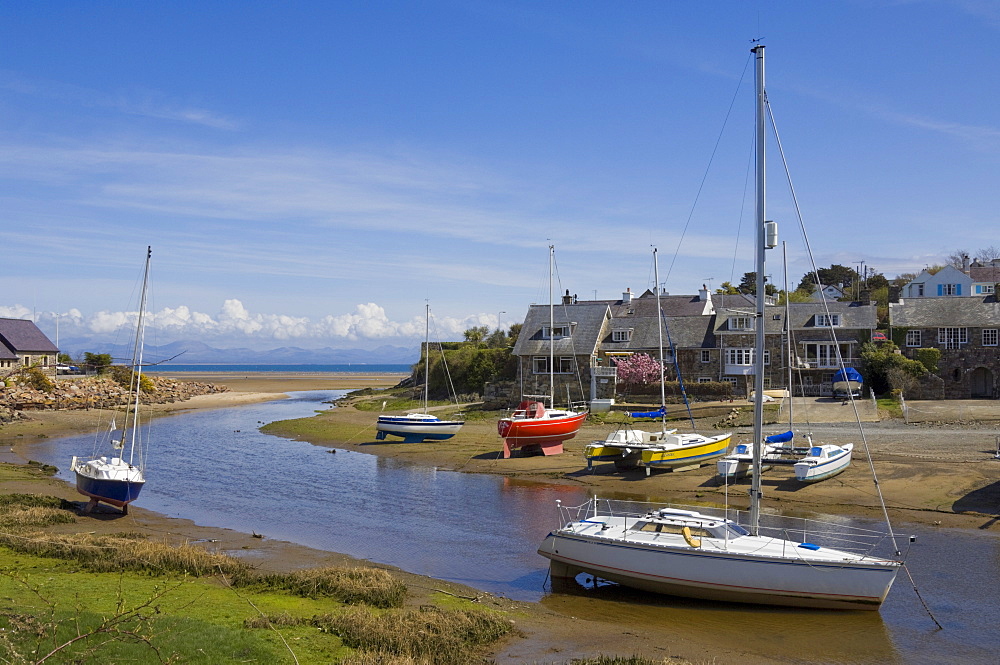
(46, 602)
(135, 616)
(889, 407)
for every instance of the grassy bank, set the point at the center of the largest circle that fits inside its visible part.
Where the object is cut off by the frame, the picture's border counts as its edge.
(80, 597)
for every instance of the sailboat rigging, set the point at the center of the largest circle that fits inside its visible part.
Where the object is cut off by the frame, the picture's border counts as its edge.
(422, 426)
(111, 478)
(534, 426)
(700, 555)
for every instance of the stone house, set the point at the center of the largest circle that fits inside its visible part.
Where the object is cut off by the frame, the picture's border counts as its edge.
(711, 335)
(22, 344)
(967, 332)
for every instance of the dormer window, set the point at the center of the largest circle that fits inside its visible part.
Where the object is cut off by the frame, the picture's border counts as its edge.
(827, 320)
(740, 323)
(555, 332)
(621, 335)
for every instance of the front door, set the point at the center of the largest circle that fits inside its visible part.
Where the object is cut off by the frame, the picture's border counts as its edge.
(982, 382)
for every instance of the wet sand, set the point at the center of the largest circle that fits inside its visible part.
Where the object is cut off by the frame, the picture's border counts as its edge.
(931, 474)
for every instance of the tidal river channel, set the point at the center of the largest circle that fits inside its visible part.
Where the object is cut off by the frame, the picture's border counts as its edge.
(216, 469)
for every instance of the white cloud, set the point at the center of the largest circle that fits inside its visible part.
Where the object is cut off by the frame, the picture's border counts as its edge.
(234, 325)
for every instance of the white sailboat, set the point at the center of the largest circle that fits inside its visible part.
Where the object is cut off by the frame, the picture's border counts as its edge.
(700, 555)
(116, 472)
(421, 426)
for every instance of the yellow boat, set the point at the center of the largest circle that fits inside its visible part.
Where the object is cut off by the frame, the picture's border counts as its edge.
(681, 452)
(624, 447)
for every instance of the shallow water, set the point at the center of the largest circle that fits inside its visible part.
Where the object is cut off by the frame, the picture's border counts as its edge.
(215, 468)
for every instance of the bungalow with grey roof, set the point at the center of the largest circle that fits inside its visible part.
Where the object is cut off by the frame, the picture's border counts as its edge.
(22, 344)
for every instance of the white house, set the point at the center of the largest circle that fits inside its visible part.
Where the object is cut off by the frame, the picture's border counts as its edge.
(947, 282)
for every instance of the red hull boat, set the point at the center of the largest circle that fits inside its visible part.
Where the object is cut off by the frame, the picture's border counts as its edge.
(534, 427)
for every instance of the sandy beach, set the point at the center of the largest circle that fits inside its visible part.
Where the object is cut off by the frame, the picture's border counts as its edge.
(937, 473)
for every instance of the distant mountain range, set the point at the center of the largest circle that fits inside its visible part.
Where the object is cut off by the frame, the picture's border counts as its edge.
(193, 353)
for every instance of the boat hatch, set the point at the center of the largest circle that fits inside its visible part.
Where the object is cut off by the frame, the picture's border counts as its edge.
(675, 512)
(816, 451)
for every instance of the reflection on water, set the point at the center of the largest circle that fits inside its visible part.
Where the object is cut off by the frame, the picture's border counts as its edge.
(215, 468)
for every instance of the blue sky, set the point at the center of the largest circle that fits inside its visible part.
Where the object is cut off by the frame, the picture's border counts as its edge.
(310, 173)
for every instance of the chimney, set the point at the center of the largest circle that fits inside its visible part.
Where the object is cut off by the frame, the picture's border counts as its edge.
(627, 296)
(703, 294)
(965, 263)
(567, 299)
(893, 293)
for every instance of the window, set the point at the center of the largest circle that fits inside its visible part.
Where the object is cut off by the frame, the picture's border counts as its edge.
(920, 290)
(824, 354)
(564, 365)
(706, 356)
(740, 323)
(621, 335)
(557, 331)
(951, 290)
(913, 338)
(767, 382)
(990, 337)
(988, 288)
(953, 338)
(704, 379)
(731, 380)
(739, 356)
(827, 320)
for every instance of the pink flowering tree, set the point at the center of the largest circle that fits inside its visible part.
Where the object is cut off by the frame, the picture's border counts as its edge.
(637, 370)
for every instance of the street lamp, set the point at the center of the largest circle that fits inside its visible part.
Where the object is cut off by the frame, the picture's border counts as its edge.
(498, 318)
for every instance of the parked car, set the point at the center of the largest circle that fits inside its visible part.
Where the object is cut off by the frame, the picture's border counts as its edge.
(879, 337)
(67, 369)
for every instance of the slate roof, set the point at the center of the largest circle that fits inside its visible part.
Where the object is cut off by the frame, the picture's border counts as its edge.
(988, 274)
(853, 316)
(22, 335)
(972, 312)
(588, 317)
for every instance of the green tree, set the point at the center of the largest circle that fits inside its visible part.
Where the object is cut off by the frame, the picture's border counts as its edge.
(476, 334)
(513, 333)
(98, 362)
(64, 359)
(835, 274)
(727, 289)
(749, 284)
(496, 339)
(880, 364)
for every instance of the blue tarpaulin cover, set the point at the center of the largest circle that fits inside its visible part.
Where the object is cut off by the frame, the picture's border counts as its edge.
(780, 438)
(660, 412)
(849, 374)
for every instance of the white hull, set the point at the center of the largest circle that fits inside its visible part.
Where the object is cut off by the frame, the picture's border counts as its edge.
(743, 568)
(417, 427)
(823, 462)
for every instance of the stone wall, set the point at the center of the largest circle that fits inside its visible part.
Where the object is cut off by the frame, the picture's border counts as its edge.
(99, 392)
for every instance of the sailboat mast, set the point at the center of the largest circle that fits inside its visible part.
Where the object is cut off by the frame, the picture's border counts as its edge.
(758, 378)
(659, 332)
(552, 336)
(140, 338)
(427, 353)
(788, 331)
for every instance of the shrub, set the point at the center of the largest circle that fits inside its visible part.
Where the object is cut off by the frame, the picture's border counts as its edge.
(125, 377)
